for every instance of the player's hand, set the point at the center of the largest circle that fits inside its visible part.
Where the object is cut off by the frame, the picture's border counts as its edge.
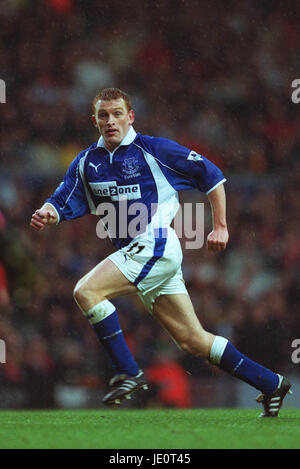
(217, 240)
(41, 218)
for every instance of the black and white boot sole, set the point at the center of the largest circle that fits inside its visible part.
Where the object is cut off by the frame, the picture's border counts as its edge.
(124, 388)
(273, 402)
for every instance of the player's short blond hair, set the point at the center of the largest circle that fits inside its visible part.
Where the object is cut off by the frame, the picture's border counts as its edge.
(108, 94)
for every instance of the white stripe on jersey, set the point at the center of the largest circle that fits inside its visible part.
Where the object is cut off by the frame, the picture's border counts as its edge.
(167, 196)
(70, 195)
(212, 188)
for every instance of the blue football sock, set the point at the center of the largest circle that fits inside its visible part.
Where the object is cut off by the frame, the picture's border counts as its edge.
(111, 337)
(229, 359)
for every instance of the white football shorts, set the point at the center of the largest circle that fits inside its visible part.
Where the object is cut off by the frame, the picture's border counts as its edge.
(153, 265)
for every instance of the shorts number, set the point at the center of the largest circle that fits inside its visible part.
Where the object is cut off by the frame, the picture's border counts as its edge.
(137, 247)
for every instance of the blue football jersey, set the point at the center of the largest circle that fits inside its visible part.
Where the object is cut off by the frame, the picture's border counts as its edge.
(143, 172)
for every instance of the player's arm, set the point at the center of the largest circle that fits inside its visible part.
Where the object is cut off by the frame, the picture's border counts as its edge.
(46, 215)
(218, 238)
(198, 172)
(184, 169)
(69, 200)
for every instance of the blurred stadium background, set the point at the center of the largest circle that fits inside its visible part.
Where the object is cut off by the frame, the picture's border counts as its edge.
(215, 76)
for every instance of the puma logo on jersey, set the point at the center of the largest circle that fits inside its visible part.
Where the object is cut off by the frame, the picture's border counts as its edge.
(95, 166)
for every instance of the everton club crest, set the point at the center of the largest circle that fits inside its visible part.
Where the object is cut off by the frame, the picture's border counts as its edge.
(130, 167)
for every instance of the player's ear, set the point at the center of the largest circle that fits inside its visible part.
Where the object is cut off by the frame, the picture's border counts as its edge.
(131, 116)
(94, 121)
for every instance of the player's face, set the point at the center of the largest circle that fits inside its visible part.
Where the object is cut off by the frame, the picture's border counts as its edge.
(113, 121)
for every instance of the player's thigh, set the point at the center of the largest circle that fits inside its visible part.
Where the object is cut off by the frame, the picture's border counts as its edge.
(106, 280)
(177, 315)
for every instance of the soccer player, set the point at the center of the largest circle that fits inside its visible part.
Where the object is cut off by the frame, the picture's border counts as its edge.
(125, 168)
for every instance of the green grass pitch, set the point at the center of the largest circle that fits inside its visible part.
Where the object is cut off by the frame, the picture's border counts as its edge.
(148, 429)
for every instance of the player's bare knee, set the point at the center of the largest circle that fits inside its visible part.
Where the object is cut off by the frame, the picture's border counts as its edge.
(195, 350)
(197, 346)
(78, 293)
(85, 296)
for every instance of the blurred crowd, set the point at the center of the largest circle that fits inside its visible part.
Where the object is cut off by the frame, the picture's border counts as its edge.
(214, 76)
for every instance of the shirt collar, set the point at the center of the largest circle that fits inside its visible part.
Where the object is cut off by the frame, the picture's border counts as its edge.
(127, 140)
